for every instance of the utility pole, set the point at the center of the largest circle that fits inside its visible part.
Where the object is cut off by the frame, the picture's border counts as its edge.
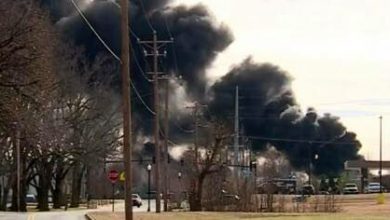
(166, 153)
(309, 163)
(380, 153)
(155, 44)
(18, 168)
(127, 131)
(236, 138)
(16, 145)
(196, 114)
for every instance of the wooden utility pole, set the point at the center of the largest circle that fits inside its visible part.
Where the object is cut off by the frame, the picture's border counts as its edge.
(166, 153)
(16, 147)
(236, 140)
(380, 153)
(155, 44)
(156, 122)
(126, 105)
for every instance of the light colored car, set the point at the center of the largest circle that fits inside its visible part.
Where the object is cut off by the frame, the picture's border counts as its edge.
(350, 188)
(374, 187)
(137, 201)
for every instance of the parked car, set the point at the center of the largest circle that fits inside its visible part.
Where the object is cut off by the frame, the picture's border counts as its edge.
(374, 187)
(350, 188)
(30, 198)
(137, 201)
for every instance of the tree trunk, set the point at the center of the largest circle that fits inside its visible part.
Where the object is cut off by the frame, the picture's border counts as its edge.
(195, 199)
(4, 195)
(43, 195)
(4, 198)
(45, 173)
(58, 195)
(57, 191)
(78, 172)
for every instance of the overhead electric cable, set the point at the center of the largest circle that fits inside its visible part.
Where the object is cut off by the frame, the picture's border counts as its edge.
(173, 46)
(111, 52)
(146, 16)
(140, 98)
(298, 140)
(139, 66)
(94, 31)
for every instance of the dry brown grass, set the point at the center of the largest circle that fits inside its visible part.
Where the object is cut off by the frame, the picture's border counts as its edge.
(243, 216)
(355, 207)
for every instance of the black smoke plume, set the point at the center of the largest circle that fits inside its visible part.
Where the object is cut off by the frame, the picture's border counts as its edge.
(269, 112)
(197, 40)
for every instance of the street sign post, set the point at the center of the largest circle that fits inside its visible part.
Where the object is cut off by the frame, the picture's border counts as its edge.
(122, 176)
(113, 176)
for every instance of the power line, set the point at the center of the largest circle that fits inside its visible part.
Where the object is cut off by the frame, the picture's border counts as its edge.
(133, 52)
(170, 141)
(146, 16)
(167, 27)
(112, 53)
(133, 34)
(173, 46)
(183, 129)
(135, 56)
(298, 140)
(131, 31)
(145, 94)
(94, 31)
(140, 98)
(139, 66)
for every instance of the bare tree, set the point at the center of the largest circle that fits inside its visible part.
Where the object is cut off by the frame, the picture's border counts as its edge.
(26, 78)
(209, 161)
(55, 102)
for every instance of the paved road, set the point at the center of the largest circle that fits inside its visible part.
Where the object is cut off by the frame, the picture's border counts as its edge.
(12, 216)
(60, 215)
(74, 215)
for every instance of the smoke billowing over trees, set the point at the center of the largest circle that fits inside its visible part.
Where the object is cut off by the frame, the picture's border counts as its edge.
(269, 111)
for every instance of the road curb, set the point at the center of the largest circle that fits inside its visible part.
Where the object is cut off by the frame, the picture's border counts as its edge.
(88, 217)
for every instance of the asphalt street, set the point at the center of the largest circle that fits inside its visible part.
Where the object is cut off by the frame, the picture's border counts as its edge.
(57, 215)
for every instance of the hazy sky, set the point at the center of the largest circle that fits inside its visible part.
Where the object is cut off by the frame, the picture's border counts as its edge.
(338, 52)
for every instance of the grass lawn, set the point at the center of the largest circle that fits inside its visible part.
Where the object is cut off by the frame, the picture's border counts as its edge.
(244, 216)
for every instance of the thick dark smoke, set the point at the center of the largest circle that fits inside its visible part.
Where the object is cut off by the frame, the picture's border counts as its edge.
(270, 115)
(198, 40)
(269, 112)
